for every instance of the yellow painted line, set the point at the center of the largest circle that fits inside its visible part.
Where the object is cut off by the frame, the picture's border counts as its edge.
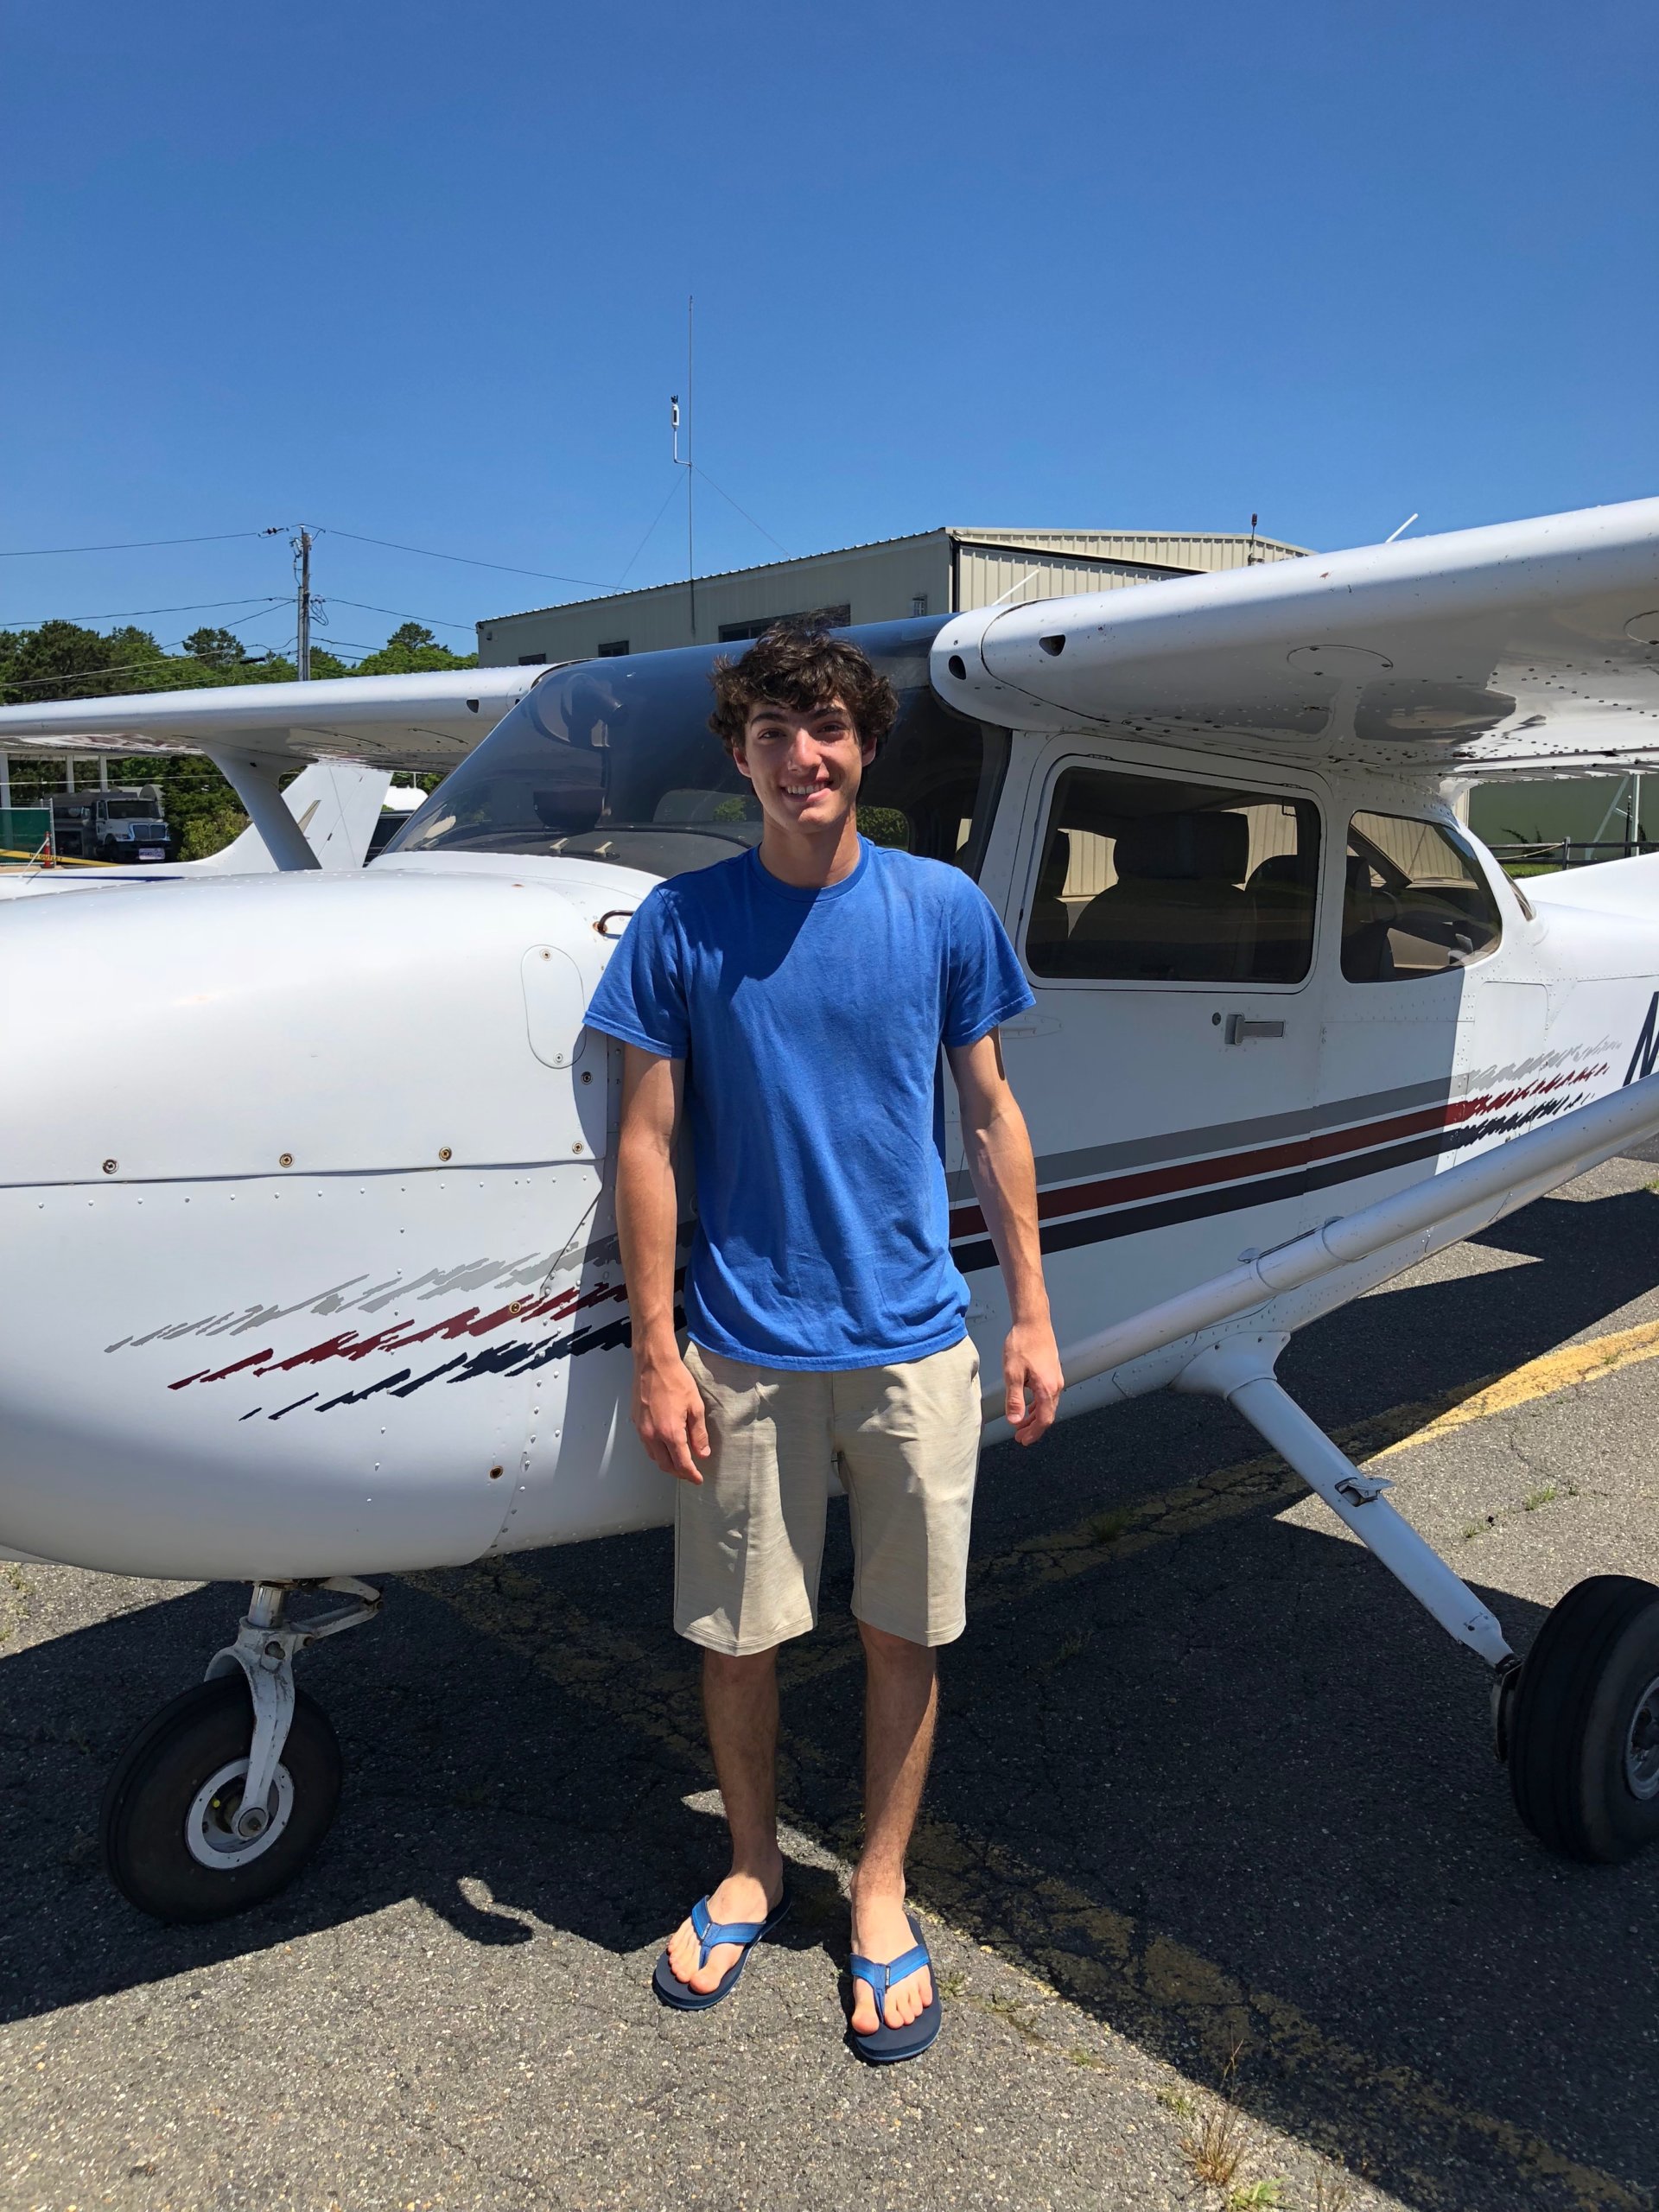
(1105, 1536)
(1160, 1993)
(1541, 1378)
(1247, 1485)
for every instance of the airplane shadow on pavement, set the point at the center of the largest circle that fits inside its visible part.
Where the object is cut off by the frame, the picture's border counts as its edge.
(1235, 1790)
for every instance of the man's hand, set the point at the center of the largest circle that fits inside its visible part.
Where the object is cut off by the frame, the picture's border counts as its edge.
(1031, 1381)
(668, 1413)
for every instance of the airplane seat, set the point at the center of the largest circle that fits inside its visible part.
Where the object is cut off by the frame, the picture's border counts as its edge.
(1281, 891)
(1177, 912)
(1050, 925)
(1367, 956)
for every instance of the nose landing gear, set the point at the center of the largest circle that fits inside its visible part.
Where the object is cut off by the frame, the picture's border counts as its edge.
(211, 1810)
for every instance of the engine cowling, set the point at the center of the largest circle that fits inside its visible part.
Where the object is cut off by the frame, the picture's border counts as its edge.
(308, 1231)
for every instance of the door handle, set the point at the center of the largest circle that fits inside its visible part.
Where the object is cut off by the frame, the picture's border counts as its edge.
(1240, 1027)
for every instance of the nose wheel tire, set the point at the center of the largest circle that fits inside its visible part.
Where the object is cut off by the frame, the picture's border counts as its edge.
(174, 1831)
(1584, 1729)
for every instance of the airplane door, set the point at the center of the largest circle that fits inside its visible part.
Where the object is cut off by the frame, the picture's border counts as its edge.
(1166, 926)
(1425, 1035)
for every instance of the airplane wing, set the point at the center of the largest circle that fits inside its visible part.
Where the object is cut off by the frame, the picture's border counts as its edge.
(1527, 650)
(257, 732)
(425, 722)
(334, 804)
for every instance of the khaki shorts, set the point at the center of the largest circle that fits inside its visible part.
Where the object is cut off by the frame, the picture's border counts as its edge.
(749, 1539)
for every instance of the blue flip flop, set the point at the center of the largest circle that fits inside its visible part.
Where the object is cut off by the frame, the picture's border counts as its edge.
(710, 1933)
(886, 2046)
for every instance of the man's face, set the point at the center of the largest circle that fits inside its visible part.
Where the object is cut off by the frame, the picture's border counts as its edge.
(805, 763)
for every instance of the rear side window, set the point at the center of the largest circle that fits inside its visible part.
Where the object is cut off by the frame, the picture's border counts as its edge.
(1415, 903)
(1148, 880)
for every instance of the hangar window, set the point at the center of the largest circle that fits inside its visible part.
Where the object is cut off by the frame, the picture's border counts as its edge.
(618, 763)
(1144, 880)
(615, 651)
(1415, 902)
(834, 618)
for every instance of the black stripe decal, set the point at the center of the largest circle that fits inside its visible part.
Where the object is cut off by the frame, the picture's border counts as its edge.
(1236, 1198)
(1220, 1136)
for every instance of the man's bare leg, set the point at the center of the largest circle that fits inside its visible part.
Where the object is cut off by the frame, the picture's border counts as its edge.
(739, 1700)
(900, 1702)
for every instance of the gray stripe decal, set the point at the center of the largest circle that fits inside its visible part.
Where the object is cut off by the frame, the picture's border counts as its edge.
(1220, 1136)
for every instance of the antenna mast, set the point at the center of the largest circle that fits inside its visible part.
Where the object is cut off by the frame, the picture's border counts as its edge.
(691, 481)
(676, 424)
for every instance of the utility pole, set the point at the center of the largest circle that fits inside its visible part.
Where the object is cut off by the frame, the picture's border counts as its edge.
(303, 649)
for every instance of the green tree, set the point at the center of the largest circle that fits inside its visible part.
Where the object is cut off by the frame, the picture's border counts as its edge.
(412, 649)
(62, 660)
(216, 648)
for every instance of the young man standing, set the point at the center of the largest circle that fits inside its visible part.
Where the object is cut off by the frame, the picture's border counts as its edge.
(793, 1003)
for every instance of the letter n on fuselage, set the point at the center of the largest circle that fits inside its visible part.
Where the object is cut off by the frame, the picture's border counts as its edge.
(1642, 1059)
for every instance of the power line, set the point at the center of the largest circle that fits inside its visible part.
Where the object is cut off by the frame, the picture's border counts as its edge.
(128, 545)
(548, 575)
(121, 613)
(402, 613)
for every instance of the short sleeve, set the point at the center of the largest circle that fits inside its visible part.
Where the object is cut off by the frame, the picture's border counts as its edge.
(641, 995)
(984, 983)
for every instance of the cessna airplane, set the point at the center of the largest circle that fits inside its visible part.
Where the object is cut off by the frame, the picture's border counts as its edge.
(312, 1270)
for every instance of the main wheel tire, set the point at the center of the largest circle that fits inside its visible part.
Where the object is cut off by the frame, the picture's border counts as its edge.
(1583, 1731)
(168, 1808)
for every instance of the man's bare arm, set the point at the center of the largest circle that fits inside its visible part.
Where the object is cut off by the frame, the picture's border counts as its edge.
(1004, 1181)
(667, 1404)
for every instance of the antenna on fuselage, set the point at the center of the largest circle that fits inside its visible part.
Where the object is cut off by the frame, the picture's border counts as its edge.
(1401, 532)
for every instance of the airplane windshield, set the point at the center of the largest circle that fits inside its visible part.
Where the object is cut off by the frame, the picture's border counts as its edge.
(613, 760)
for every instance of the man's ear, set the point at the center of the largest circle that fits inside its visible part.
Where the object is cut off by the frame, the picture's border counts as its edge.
(742, 765)
(867, 750)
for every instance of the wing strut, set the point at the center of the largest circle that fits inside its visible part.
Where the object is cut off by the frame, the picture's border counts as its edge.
(255, 781)
(1241, 1370)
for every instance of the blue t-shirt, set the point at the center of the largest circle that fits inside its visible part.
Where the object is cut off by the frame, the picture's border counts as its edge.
(810, 1022)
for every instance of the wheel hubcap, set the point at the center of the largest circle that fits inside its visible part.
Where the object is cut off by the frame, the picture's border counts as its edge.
(1641, 1746)
(210, 1827)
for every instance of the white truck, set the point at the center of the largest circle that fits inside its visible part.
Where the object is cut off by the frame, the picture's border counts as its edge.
(121, 824)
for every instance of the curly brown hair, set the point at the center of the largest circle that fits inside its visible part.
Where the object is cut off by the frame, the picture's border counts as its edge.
(801, 664)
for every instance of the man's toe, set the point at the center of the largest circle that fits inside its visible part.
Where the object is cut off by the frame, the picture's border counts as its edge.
(708, 1977)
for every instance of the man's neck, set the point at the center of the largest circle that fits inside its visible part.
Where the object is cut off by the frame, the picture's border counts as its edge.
(809, 863)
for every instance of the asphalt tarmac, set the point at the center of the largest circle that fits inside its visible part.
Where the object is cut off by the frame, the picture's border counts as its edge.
(1217, 1866)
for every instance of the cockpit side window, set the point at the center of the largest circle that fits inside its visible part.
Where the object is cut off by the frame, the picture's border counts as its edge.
(613, 759)
(1144, 880)
(1415, 902)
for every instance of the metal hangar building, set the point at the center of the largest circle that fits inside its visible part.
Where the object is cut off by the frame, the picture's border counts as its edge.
(945, 571)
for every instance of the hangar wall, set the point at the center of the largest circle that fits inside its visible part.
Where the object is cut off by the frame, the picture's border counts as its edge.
(935, 572)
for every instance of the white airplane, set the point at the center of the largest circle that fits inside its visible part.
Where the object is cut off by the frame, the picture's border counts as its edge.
(311, 1265)
(335, 804)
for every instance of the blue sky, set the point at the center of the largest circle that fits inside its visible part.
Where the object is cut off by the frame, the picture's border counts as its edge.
(420, 273)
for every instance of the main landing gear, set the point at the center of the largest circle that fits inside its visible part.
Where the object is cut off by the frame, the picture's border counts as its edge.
(1577, 1721)
(212, 1807)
